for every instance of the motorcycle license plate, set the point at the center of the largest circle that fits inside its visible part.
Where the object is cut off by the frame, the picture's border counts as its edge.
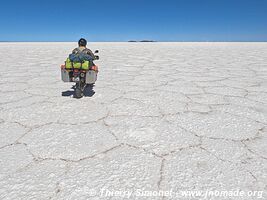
(76, 79)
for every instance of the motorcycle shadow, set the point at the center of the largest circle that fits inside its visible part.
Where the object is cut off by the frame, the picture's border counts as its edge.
(88, 91)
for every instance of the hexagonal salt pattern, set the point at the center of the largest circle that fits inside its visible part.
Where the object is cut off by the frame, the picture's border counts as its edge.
(192, 119)
(71, 142)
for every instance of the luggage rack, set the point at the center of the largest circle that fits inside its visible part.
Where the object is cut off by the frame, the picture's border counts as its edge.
(90, 75)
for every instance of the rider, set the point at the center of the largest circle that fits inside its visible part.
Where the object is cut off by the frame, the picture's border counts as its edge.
(82, 49)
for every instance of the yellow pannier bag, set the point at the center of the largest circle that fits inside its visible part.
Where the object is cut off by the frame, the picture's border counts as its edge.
(86, 65)
(77, 65)
(68, 64)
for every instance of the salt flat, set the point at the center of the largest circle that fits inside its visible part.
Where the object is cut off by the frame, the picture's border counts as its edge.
(164, 117)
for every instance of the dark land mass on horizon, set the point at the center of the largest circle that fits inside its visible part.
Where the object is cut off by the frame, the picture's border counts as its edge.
(142, 41)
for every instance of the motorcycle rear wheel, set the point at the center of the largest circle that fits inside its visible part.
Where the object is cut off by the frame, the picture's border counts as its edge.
(78, 92)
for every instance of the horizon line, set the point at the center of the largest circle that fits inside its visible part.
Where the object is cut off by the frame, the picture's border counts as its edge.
(130, 41)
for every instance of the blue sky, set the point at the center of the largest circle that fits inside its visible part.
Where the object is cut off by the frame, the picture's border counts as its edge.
(123, 20)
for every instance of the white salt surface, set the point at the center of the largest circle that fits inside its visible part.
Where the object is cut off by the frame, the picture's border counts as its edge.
(164, 117)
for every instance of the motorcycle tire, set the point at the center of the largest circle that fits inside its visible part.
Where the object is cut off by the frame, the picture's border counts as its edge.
(78, 93)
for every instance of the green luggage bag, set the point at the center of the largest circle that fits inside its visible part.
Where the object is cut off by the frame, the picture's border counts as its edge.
(77, 65)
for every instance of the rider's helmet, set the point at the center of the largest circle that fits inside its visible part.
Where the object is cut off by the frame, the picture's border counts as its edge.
(82, 42)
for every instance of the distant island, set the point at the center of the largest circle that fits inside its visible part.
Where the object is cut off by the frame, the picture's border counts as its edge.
(142, 41)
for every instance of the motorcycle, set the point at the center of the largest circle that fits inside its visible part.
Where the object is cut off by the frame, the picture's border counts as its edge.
(80, 76)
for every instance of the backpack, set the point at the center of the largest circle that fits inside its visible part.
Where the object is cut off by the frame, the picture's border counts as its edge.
(80, 56)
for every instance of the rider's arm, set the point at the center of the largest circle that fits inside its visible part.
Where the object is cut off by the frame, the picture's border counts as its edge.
(90, 53)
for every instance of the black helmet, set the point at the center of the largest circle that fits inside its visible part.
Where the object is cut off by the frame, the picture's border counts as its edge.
(82, 42)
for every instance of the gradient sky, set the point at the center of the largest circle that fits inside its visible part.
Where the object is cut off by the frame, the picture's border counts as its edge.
(122, 20)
